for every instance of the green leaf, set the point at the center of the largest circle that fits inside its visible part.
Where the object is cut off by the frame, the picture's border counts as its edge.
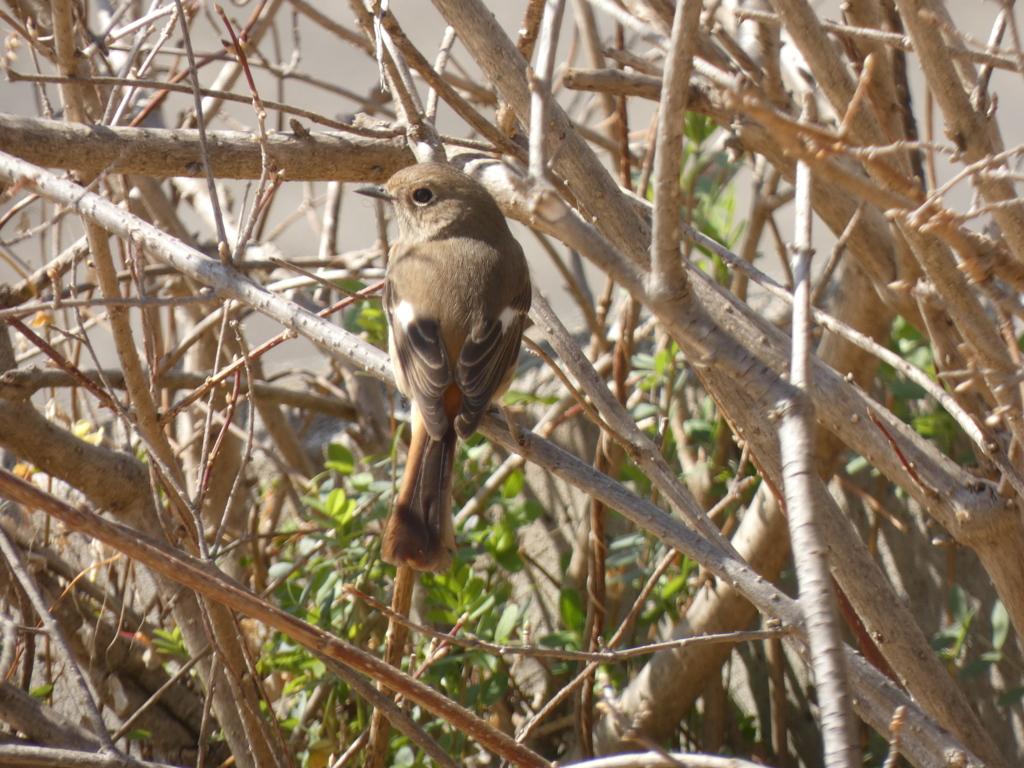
(976, 668)
(42, 691)
(643, 410)
(558, 640)
(352, 286)
(511, 561)
(1011, 697)
(643, 361)
(921, 357)
(138, 734)
(371, 319)
(942, 642)
(531, 510)
(958, 604)
(662, 361)
(485, 606)
(936, 426)
(336, 504)
(325, 608)
(506, 623)
(518, 397)
(279, 569)
(1000, 624)
(856, 465)
(902, 389)
(362, 481)
(493, 689)
(698, 430)
(697, 128)
(340, 459)
(570, 606)
(170, 643)
(674, 585)
(513, 486)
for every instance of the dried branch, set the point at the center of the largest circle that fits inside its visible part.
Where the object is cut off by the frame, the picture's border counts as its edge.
(233, 154)
(667, 274)
(803, 502)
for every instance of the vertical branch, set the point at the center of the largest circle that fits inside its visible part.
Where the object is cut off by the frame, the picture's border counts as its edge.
(64, 44)
(398, 631)
(332, 215)
(667, 273)
(540, 89)
(423, 140)
(801, 489)
(777, 692)
(443, 52)
(211, 182)
(505, 116)
(587, 27)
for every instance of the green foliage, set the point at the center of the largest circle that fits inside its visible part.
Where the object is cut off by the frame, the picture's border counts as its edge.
(858, 464)
(366, 317)
(707, 178)
(42, 692)
(955, 642)
(339, 459)
(518, 397)
(950, 641)
(910, 402)
(1000, 622)
(658, 370)
(570, 607)
(170, 643)
(333, 546)
(317, 557)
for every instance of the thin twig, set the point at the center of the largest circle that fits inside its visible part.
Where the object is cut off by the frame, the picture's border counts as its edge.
(204, 154)
(535, 651)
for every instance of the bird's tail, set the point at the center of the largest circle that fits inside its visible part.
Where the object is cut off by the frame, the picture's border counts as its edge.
(420, 532)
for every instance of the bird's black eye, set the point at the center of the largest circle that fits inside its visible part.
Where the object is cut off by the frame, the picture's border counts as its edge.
(422, 196)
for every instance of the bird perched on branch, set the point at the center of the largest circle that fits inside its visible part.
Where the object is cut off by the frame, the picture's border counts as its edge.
(456, 295)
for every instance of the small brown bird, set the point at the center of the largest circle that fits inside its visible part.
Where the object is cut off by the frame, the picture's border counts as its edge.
(456, 294)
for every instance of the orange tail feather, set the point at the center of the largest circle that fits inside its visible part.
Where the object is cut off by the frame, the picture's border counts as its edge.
(419, 532)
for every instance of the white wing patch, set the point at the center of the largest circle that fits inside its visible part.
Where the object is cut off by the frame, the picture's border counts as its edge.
(405, 314)
(507, 317)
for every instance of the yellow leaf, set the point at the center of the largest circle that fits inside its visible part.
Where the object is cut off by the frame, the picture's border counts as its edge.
(24, 471)
(83, 430)
(42, 318)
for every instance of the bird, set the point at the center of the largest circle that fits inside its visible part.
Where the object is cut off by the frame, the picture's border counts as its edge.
(457, 291)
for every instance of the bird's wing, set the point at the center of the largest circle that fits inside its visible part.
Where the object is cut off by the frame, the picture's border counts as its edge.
(420, 360)
(488, 360)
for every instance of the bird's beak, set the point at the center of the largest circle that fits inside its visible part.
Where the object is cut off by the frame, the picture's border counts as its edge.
(372, 190)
